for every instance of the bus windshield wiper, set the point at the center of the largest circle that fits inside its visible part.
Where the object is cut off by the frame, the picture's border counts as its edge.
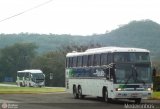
(137, 76)
(142, 81)
(129, 78)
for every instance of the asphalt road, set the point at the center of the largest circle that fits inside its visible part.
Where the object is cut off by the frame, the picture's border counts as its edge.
(60, 101)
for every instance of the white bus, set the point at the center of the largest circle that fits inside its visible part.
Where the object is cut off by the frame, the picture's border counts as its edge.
(30, 78)
(110, 73)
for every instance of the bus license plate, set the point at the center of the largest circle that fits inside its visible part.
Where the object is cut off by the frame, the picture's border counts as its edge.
(134, 95)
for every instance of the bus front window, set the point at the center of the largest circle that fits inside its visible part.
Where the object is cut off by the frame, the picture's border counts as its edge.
(123, 74)
(37, 76)
(131, 57)
(143, 74)
(127, 74)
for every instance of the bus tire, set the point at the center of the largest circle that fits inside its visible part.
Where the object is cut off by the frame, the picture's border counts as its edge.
(81, 96)
(138, 101)
(21, 85)
(29, 84)
(105, 96)
(75, 94)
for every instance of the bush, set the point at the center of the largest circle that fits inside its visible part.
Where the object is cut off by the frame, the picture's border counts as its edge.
(156, 83)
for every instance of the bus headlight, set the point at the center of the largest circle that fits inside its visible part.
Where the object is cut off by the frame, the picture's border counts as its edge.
(118, 89)
(149, 89)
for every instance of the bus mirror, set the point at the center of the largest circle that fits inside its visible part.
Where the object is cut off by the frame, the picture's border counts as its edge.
(107, 73)
(114, 65)
(107, 76)
(112, 70)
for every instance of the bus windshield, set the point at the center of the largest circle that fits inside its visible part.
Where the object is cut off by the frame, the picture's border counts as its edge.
(38, 75)
(131, 57)
(130, 74)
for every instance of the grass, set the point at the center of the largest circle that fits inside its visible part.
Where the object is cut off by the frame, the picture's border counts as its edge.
(156, 95)
(28, 90)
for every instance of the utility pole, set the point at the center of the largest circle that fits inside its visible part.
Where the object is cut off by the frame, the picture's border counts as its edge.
(51, 78)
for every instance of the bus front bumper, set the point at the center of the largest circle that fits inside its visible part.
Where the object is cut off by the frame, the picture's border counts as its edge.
(133, 94)
(39, 84)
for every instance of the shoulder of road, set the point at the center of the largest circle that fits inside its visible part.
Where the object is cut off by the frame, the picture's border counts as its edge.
(151, 101)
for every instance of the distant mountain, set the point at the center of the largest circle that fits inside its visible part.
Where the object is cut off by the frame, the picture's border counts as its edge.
(141, 34)
(43, 41)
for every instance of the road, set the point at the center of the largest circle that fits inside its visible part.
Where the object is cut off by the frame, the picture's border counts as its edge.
(58, 101)
(12, 85)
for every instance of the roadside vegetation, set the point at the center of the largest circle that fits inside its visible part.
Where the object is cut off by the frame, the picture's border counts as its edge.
(156, 95)
(29, 90)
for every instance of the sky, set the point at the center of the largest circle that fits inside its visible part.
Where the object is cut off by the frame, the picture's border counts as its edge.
(75, 17)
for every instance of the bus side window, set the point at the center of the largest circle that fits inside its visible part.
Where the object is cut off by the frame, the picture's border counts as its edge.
(110, 58)
(74, 61)
(27, 75)
(79, 63)
(90, 60)
(104, 59)
(96, 61)
(85, 60)
(70, 62)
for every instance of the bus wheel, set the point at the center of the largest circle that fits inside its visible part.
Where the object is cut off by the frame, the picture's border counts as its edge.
(21, 84)
(138, 101)
(75, 94)
(29, 84)
(105, 96)
(81, 96)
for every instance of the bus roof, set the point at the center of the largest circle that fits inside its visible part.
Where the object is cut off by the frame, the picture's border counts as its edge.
(106, 50)
(30, 71)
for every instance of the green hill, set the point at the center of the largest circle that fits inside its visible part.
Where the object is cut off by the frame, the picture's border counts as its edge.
(44, 42)
(142, 34)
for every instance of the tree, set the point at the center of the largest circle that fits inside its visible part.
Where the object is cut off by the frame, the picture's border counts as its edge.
(51, 63)
(78, 48)
(54, 63)
(16, 57)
